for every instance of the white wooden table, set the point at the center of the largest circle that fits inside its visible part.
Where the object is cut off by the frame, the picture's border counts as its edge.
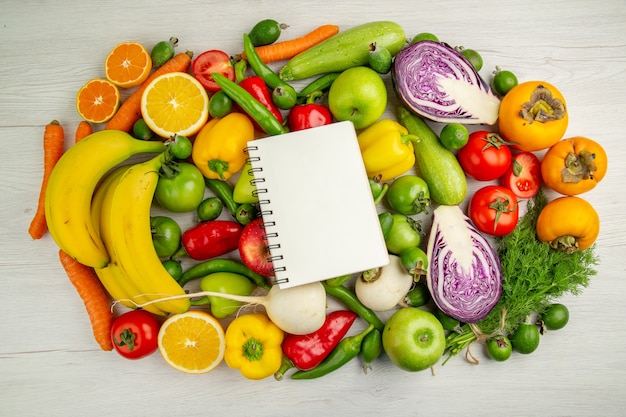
(49, 362)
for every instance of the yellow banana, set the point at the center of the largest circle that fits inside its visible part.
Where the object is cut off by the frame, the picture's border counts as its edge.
(72, 184)
(127, 219)
(112, 277)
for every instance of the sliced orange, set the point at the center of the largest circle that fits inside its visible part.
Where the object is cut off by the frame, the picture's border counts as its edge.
(128, 64)
(98, 100)
(175, 103)
(192, 342)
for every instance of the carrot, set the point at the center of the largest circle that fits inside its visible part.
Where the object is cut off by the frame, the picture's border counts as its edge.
(83, 130)
(94, 296)
(53, 145)
(288, 49)
(130, 110)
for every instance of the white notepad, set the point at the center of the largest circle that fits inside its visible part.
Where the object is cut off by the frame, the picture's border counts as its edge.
(316, 203)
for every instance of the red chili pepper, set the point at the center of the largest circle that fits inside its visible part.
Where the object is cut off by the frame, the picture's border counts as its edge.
(257, 88)
(310, 114)
(210, 239)
(307, 351)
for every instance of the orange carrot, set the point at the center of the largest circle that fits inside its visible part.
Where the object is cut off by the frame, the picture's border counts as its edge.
(83, 130)
(130, 110)
(53, 144)
(288, 49)
(94, 296)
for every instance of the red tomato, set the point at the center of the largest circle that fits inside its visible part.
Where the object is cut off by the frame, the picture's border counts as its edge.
(135, 334)
(209, 62)
(523, 176)
(494, 210)
(485, 157)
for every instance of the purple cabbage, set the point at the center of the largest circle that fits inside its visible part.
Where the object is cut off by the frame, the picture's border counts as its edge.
(437, 82)
(464, 274)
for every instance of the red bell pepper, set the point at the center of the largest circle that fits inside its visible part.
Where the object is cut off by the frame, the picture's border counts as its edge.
(212, 238)
(257, 88)
(309, 114)
(307, 351)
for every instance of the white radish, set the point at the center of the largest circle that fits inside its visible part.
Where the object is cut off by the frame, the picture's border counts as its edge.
(296, 310)
(381, 289)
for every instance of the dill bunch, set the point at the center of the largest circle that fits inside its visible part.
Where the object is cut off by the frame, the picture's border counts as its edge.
(533, 273)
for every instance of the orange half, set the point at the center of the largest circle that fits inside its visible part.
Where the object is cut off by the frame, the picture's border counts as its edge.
(98, 100)
(192, 342)
(175, 104)
(128, 64)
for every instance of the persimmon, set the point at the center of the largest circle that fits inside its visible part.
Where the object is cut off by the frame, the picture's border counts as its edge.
(568, 223)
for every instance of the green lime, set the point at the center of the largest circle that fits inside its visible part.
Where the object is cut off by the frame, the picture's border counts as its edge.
(454, 136)
(141, 130)
(503, 81)
(424, 36)
(266, 32)
(209, 209)
(163, 51)
(525, 339)
(473, 57)
(379, 59)
(555, 317)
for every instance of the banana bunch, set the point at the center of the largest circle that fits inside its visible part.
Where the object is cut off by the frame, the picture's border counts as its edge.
(99, 212)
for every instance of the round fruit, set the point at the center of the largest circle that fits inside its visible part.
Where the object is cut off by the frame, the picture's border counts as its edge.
(454, 136)
(499, 348)
(192, 342)
(503, 81)
(525, 339)
(98, 100)
(128, 64)
(266, 32)
(555, 317)
(175, 103)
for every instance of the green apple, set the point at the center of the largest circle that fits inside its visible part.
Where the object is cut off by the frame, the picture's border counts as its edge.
(413, 339)
(358, 94)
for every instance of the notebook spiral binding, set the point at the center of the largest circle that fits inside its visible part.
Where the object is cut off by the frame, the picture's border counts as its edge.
(265, 213)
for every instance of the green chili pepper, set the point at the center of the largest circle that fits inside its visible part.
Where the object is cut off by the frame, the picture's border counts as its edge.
(224, 192)
(319, 84)
(250, 105)
(347, 297)
(378, 188)
(386, 222)
(333, 282)
(211, 266)
(371, 348)
(240, 70)
(344, 352)
(287, 92)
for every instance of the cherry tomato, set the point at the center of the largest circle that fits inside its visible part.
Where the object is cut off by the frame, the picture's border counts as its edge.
(181, 191)
(135, 334)
(210, 62)
(494, 210)
(485, 157)
(523, 176)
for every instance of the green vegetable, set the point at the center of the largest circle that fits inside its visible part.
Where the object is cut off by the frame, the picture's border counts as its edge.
(220, 105)
(437, 165)
(424, 36)
(321, 83)
(418, 296)
(350, 300)
(380, 59)
(246, 212)
(371, 348)
(344, 352)
(404, 234)
(525, 339)
(347, 49)
(409, 195)
(229, 283)
(499, 348)
(224, 191)
(209, 209)
(214, 265)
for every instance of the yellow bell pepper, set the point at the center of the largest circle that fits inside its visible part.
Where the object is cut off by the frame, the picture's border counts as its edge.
(253, 345)
(218, 149)
(387, 149)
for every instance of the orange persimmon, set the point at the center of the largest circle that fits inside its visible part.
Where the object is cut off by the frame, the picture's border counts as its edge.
(568, 223)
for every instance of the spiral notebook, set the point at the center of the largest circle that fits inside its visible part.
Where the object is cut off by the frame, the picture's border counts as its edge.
(316, 203)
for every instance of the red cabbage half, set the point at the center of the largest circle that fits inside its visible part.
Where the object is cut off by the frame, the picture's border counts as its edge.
(437, 82)
(464, 274)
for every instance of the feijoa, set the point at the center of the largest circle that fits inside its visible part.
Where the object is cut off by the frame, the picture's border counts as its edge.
(265, 32)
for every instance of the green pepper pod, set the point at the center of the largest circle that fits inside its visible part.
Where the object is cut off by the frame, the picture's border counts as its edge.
(261, 69)
(224, 192)
(322, 83)
(214, 265)
(371, 348)
(347, 297)
(250, 105)
(344, 352)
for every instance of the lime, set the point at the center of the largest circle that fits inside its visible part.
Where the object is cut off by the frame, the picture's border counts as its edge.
(454, 136)
(424, 36)
(555, 317)
(266, 32)
(141, 130)
(163, 51)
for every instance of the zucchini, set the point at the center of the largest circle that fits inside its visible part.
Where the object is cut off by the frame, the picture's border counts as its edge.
(437, 165)
(349, 48)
